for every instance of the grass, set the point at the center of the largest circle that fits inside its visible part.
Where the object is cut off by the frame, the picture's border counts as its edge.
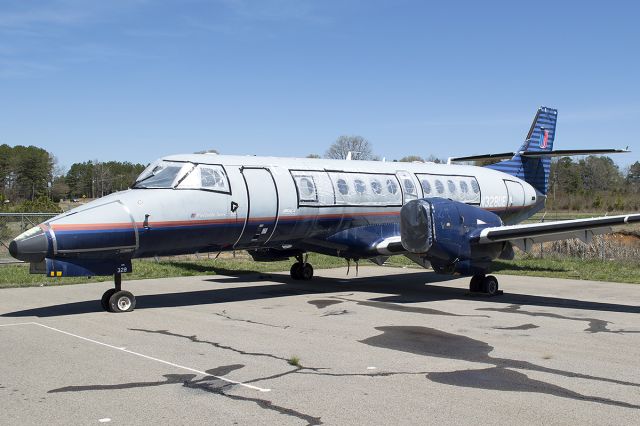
(17, 275)
(295, 361)
(573, 268)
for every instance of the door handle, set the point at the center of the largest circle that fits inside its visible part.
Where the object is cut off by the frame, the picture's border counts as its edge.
(234, 206)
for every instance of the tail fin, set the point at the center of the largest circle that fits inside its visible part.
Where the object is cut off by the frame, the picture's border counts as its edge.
(534, 170)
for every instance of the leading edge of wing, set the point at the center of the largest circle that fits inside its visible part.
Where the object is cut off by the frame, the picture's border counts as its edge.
(549, 229)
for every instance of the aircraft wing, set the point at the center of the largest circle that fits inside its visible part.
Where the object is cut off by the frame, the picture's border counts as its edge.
(523, 236)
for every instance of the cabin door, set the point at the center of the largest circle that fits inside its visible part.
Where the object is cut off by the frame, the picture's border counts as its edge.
(515, 195)
(262, 207)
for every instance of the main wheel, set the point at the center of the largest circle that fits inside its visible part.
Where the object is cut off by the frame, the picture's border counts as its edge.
(476, 283)
(306, 272)
(122, 301)
(296, 271)
(105, 299)
(490, 285)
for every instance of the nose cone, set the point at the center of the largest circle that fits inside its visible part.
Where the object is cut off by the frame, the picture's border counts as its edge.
(30, 246)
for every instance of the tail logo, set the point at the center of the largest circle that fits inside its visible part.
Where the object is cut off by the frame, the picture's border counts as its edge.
(544, 139)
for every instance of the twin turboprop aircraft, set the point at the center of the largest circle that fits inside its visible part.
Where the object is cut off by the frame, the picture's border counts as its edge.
(456, 218)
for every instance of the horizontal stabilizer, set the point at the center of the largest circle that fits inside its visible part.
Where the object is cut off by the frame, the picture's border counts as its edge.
(524, 236)
(482, 157)
(539, 154)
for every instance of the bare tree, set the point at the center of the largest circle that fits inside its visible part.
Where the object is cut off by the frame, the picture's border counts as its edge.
(313, 156)
(360, 148)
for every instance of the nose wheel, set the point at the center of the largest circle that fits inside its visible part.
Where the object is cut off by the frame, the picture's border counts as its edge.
(117, 300)
(301, 270)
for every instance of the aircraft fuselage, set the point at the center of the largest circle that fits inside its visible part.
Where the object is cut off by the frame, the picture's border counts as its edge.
(211, 203)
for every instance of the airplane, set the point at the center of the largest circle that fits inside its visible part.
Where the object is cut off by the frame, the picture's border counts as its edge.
(454, 218)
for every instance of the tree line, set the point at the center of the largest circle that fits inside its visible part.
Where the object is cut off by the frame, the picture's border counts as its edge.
(30, 175)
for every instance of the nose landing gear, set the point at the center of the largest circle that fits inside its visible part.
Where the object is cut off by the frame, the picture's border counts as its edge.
(301, 270)
(118, 300)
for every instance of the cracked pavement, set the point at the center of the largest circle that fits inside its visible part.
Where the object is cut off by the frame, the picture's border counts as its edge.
(389, 346)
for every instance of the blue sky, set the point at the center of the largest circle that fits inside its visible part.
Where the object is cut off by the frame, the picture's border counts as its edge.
(138, 79)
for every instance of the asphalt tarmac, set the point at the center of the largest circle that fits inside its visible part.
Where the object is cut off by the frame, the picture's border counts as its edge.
(391, 346)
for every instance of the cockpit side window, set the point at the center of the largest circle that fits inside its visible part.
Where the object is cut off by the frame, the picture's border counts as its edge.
(209, 177)
(163, 174)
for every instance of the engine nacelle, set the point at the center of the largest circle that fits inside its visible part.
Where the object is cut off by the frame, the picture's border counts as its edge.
(440, 230)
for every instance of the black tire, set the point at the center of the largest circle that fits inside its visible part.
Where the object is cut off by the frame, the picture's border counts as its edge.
(105, 299)
(306, 272)
(476, 283)
(490, 285)
(296, 271)
(122, 301)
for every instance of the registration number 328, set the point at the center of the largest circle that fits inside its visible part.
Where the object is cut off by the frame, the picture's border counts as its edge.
(494, 201)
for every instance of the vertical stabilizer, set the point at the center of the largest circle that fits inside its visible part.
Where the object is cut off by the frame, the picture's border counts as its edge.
(540, 139)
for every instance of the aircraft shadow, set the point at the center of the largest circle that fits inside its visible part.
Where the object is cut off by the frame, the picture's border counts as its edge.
(394, 289)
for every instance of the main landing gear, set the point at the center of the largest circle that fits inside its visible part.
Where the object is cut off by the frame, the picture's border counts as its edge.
(487, 285)
(301, 270)
(118, 300)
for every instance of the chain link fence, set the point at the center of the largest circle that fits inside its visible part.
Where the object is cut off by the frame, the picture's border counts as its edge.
(12, 225)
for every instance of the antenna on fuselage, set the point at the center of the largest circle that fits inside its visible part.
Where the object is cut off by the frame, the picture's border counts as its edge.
(350, 155)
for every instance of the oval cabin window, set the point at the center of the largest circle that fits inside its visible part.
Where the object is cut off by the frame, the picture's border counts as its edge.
(343, 187)
(306, 186)
(392, 187)
(376, 187)
(426, 186)
(409, 186)
(452, 186)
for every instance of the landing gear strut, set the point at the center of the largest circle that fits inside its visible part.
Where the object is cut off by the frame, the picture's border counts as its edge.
(118, 300)
(484, 284)
(301, 270)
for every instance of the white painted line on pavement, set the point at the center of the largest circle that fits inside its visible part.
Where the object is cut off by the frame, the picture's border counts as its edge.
(235, 382)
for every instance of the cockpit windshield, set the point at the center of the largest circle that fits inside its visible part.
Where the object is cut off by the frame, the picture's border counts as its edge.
(162, 174)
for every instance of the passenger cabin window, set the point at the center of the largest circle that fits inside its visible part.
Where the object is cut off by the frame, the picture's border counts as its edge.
(306, 188)
(475, 187)
(321, 188)
(392, 186)
(208, 177)
(365, 189)
(314, 188)
(409, 186)
(426, 187)
(376, 186)
(459, 188)
(343, 187)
